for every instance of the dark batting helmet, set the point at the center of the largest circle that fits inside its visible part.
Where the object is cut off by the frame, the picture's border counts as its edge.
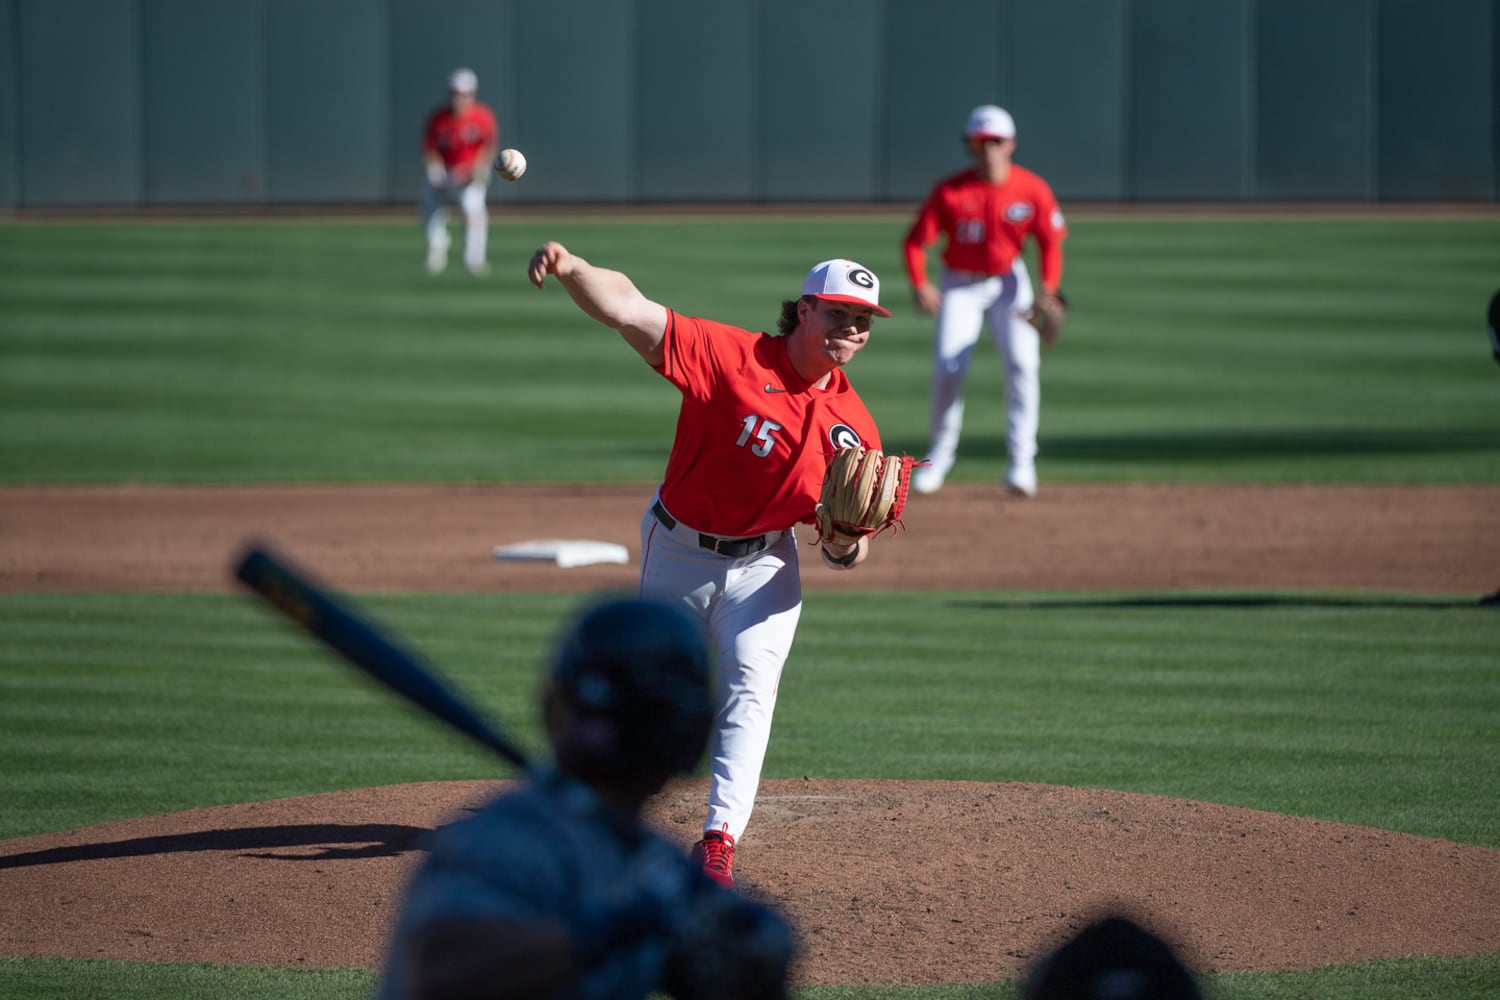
(629, 697)
(1113, 958)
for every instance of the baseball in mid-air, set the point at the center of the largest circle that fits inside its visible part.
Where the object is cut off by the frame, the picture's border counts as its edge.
(510, 164)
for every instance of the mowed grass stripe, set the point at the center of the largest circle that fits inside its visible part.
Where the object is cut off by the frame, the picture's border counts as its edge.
(1363, 710)
(1314, 350)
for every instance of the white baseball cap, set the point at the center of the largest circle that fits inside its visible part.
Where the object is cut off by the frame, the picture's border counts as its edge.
(842, 280)
(463, 81)
(990, 122)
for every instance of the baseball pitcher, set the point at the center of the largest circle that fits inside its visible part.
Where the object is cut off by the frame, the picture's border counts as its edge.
(763, 422)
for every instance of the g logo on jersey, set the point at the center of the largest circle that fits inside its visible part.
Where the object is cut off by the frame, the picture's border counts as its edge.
(1018, 211)
(843, 436)
(862, 278)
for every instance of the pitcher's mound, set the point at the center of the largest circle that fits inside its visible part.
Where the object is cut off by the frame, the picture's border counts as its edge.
(896, 882)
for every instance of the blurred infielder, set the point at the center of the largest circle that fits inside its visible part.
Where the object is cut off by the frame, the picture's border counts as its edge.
(987, 213)
(760, 419)
(458, 154)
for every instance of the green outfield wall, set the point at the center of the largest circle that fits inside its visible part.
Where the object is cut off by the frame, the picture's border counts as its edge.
(141, 103)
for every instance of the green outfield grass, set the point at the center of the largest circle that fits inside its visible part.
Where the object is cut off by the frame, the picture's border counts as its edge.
(1273, 350)
(47, 979)
(1369, 709)
(319, 351)
(1366, 709)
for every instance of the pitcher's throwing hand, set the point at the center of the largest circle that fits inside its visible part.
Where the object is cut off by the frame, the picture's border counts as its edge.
(550, 258)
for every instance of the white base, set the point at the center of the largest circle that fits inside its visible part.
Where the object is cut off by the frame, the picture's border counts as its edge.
(563, 552)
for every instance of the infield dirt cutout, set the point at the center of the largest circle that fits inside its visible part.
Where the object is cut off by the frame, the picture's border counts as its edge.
(887, 881)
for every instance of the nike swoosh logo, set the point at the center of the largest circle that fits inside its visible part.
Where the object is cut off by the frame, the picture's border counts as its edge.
(772, 388)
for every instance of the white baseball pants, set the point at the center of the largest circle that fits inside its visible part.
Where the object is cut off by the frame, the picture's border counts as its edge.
(471, 201)
(750, 607)
(969, 302)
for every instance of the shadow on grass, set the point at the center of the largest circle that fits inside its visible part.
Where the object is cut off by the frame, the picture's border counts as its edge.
(1223, 446)
(374, 840)
(1226, 601)
(1226, 445)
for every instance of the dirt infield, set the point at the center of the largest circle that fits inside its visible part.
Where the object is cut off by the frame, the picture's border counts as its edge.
(888, 882)
(440, 538)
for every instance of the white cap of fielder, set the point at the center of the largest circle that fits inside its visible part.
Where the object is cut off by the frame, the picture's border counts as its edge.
(463, 81)
(842, 280)
(990, 122)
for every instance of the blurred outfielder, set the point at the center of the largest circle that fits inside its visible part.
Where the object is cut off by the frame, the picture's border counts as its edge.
(458, 156)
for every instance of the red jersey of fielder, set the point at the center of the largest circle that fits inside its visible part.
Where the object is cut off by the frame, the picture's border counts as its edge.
(753, 439)
(459, 139)
(987, 225)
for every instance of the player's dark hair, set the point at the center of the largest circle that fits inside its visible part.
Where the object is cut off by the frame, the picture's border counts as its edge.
(788, 321)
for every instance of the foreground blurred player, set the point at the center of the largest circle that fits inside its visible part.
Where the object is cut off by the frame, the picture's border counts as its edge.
(555, 889)
(1494, 325)
(1113, 958)
(1492, 319)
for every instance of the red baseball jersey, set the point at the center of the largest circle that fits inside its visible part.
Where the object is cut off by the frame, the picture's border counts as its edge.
(458, 139)
(987, 224)
(753, 439)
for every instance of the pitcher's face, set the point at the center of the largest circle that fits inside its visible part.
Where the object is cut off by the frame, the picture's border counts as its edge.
(830, 332)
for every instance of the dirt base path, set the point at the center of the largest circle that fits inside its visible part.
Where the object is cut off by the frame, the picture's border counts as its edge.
(887, 882)
(421, 538)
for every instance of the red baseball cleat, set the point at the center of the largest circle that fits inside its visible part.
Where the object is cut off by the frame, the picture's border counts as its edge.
(715, 853)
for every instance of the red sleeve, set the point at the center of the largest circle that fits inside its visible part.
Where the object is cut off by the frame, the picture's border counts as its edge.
(689, 360)
(1051, 230)
(429, 135)
(492, 130)
(923, 232)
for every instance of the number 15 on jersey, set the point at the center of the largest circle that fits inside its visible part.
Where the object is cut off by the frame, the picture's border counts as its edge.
(764, 435)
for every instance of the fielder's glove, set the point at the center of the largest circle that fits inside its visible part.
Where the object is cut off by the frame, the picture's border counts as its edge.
(864, 492)
(1048, 315)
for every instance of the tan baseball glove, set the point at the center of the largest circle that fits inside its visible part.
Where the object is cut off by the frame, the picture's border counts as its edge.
(864, 493)
(1048, 315)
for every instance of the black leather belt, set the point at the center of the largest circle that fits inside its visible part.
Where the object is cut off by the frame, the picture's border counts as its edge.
(733, 548)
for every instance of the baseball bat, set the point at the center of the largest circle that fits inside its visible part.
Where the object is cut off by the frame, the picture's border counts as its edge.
(296, 596)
